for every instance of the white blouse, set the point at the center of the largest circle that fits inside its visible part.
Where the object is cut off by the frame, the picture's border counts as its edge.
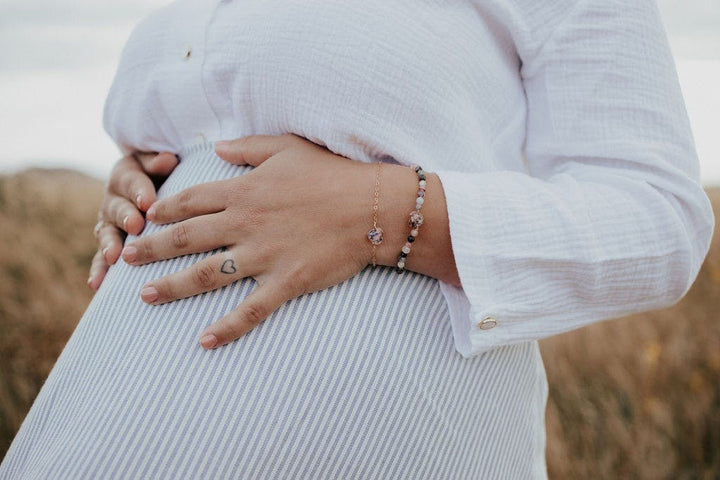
(557, 128)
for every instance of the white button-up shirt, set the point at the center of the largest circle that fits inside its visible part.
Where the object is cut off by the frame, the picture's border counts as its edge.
(557, 128)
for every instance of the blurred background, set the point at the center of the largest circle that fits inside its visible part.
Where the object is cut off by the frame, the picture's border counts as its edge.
(630, 398)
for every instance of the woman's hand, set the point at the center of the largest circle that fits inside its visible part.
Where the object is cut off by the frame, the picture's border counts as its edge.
(296, 224)
(129, 192)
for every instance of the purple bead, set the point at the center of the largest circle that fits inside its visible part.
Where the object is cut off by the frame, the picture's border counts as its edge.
(375, 235)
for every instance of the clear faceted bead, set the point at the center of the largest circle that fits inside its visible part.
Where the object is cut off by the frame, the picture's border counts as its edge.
(375, 235)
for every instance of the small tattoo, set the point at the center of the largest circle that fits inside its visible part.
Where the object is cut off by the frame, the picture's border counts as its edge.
(228, 267)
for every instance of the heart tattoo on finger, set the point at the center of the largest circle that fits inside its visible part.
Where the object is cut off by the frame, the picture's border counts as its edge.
(228, 267)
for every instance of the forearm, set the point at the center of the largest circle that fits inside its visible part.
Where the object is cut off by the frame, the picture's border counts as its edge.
(431, 253)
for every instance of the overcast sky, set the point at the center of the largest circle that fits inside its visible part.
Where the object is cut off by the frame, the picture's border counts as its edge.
(58, 59)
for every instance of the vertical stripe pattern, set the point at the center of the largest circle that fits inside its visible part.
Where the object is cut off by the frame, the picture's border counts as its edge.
(361, 380)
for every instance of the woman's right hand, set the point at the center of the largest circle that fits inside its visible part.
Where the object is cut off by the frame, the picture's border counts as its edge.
(129, 192)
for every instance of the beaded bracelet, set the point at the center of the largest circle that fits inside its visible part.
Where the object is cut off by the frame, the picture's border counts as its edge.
(415, 220)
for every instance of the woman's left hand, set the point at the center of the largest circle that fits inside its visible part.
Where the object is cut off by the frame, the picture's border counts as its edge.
(297, 225)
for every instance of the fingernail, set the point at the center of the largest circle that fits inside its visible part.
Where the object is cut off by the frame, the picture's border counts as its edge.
(149, 294)
(138, 200)
(129, 254)
(125, 220)
(151, 211)
(208, 341)
(104, 253)
(89, 281)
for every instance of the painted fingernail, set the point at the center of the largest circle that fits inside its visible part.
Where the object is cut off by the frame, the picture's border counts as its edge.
(129, 254)
(209, 341)
(125, 220)
(149, 294)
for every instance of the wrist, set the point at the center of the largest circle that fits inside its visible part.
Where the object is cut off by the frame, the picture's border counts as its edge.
(398, 191)
(431, 253)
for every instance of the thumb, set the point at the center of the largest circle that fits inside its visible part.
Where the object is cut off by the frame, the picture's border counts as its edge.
(254, 149)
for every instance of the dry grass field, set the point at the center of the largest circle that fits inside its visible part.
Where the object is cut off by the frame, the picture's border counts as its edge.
(637, 397)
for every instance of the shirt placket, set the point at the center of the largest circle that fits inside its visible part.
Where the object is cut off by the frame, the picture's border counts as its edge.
(202, 122)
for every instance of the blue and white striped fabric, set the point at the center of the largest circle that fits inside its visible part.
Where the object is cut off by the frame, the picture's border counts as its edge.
(361, 380)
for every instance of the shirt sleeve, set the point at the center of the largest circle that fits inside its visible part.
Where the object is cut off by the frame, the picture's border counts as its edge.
(611, 218)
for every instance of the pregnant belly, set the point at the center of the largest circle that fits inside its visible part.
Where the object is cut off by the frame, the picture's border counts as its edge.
(360, 380)
(375, 316)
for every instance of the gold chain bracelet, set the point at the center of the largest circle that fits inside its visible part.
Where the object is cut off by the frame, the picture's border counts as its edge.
(375, 234)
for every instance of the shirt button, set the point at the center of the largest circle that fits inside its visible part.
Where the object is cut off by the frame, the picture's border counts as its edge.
(487, 323)
(187, 52)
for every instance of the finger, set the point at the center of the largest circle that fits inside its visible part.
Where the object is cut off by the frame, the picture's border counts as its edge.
(158, 164)
(202, 199)
(98, 269)
(199, 234)
(129, 180)
(256, 307)
(110, 239)
(123, 214)
(208, 274)
(254, 149)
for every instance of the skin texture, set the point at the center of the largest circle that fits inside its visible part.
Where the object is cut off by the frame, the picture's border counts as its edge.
(296, 223)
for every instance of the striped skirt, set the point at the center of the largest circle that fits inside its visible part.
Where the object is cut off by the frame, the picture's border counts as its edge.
(360, 380)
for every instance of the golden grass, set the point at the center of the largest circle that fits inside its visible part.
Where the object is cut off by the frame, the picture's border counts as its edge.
(637, 397)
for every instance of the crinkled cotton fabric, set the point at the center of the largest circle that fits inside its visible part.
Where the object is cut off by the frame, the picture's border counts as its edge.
(559, 134)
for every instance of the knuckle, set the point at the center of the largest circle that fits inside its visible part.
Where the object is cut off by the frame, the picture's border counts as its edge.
(109, 230)
(205, 275)
(297, 284)
(298, 280)
(145, 249)
(254, 314)
(180, 236)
